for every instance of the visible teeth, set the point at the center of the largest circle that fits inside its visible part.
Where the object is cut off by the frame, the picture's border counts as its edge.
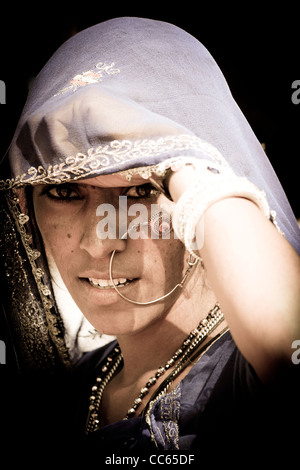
(104, 283)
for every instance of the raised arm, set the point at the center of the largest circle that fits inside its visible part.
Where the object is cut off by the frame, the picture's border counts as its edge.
(255, 274)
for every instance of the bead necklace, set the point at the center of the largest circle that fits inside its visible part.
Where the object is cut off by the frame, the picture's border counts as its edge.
(114, 363)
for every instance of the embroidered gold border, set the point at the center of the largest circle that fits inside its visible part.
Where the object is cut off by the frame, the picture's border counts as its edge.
(109, 157)
(21, 220)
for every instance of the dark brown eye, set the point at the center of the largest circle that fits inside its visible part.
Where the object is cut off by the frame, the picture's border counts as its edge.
(63, 193)
(143, 191)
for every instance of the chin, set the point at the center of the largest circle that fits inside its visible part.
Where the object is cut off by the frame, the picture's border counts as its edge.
(126, 321)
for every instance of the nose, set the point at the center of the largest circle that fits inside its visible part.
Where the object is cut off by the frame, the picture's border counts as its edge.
(100, 232)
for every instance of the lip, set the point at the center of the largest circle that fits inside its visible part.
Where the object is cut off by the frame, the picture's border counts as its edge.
(97, 296)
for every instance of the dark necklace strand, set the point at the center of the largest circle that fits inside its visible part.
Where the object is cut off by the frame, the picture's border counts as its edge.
(114, 362)
(195, 355)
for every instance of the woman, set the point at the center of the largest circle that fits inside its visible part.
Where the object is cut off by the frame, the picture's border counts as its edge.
(131, 121)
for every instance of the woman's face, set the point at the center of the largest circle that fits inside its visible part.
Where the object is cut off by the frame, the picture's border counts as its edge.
(80, 223)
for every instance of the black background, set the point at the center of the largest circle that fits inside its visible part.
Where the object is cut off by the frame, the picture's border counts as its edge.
(256, 48)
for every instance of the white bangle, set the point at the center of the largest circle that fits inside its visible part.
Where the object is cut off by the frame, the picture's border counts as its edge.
(214, 183)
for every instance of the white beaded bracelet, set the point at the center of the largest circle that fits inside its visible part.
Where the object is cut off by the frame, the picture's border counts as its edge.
(214, 183)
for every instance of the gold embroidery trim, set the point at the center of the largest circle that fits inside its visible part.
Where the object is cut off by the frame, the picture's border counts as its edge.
(33, 254)
(169, 417)
(109, 157)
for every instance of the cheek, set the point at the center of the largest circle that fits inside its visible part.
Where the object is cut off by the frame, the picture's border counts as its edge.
(167, 262)
(175, 260)
(58, 236)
